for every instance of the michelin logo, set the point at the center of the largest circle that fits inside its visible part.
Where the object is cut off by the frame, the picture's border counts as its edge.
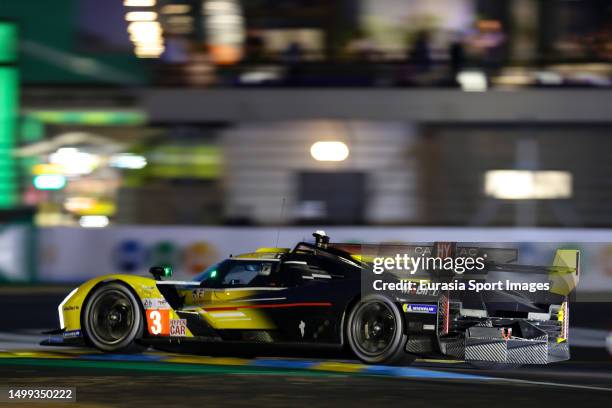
(419, 308)
(72, 333)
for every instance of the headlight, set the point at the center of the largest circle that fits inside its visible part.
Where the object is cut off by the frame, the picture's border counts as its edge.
(61, 306)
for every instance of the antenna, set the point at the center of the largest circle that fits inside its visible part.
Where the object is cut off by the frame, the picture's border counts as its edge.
(280, 221)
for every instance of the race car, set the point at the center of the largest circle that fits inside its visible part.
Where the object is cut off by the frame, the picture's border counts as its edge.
(316, 295)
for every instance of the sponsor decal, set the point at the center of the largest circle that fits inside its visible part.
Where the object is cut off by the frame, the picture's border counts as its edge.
(70, 308)
(198, 294)
(72, 334)
(445, 249)
(178, 327)
(155, 303)
(420, 308)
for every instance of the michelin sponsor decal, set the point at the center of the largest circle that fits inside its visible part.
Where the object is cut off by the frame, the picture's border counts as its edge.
(72, 334)
(420, 308)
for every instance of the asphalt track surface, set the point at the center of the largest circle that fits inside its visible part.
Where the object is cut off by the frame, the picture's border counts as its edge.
(228, 377)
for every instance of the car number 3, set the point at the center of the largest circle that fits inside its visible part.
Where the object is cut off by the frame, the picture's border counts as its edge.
(156, 326)
(158, 321)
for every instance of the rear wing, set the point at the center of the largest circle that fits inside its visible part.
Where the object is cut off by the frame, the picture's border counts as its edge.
(563, 273)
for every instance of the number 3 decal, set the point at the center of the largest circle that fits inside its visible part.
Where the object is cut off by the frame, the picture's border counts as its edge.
(155, 325)
(158, 322)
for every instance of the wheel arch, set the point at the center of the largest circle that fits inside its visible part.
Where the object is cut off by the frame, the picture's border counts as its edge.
(344, 320)
(98, 285)
(352, 303)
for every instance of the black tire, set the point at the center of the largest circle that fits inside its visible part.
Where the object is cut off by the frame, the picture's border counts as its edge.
(112, 319)
(375, 332)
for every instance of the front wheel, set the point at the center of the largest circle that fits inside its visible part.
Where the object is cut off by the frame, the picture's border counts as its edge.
(113, 320)
(375, 332)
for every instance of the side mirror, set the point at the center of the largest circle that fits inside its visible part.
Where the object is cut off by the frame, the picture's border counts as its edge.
(159, 272)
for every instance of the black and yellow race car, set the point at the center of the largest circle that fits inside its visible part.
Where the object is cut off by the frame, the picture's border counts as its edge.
(314, 295)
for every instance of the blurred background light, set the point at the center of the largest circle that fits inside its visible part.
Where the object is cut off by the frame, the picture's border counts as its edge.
(139, 3)
(9, 111)
(79, 204)
(145, 33)
(144, 27)
(175, 9)
(225, 30)
(93, 221)
(8, 114)
(472, 81)
(74, 161)
(329, 151)
(91, 117)
(8, 42)
(49, 182)
(46, 168)
(128, 161)
(257, 77)
(89, 206)
(141, 16)
(528, 185)
(549, 78)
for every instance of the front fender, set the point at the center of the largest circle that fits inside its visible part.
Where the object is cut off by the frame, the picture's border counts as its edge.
(70, 309)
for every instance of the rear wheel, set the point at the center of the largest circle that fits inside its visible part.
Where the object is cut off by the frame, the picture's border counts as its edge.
(113, 320)
(375, 332)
